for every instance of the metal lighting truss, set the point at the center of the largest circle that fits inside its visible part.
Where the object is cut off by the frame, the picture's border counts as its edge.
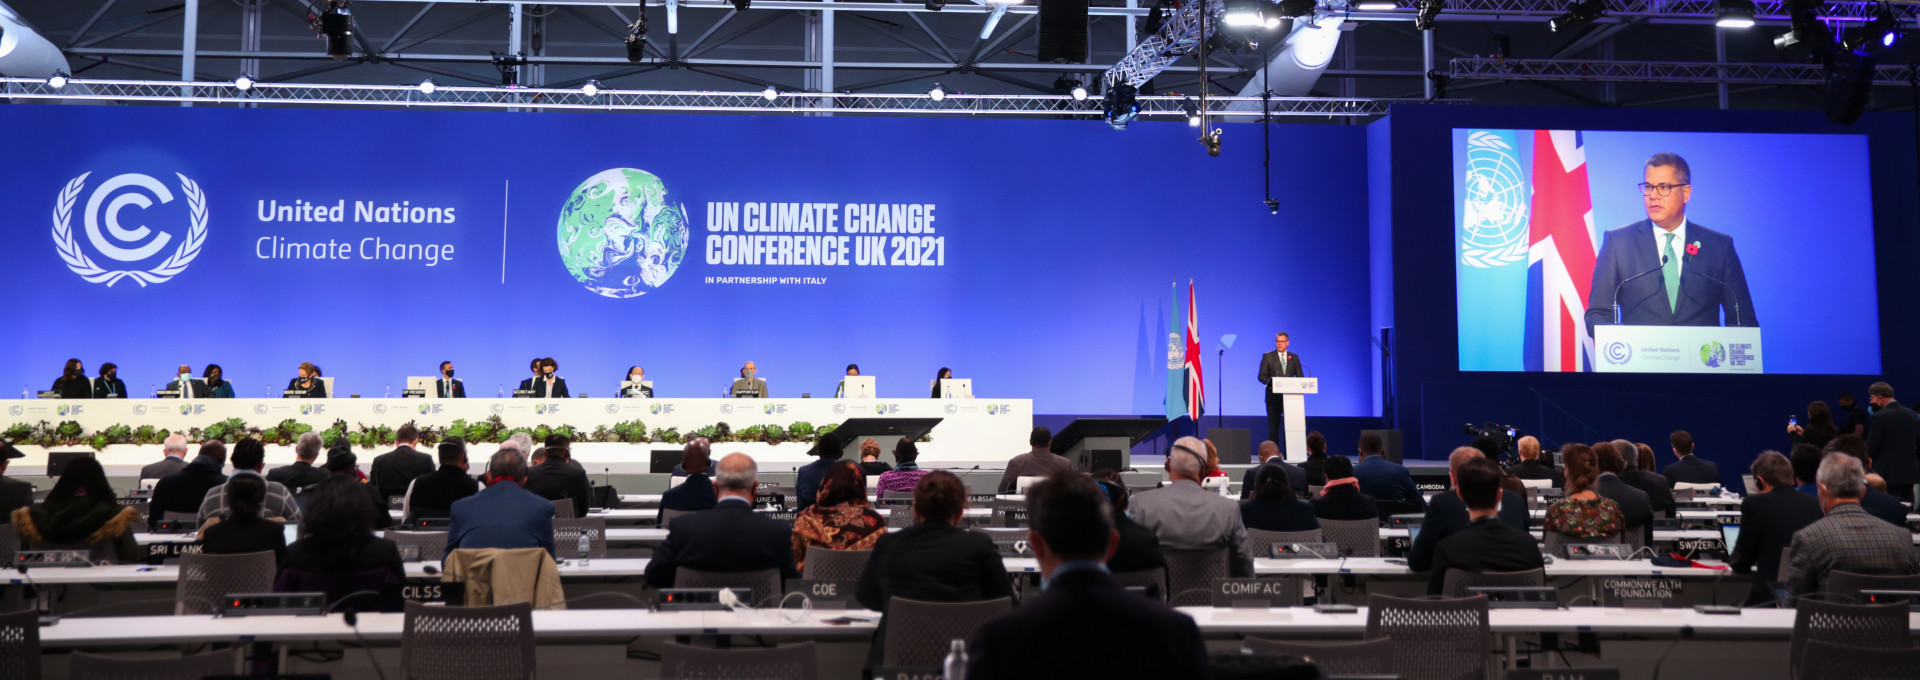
(1684, 72)
(1700, 10)
(548, 99)
(1177, 36)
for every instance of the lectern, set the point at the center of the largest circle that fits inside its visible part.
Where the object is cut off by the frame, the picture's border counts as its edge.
(1293, 393)
(1103, 443)
(883, 431)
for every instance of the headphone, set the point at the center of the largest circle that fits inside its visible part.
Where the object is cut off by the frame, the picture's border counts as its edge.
(1196, 455)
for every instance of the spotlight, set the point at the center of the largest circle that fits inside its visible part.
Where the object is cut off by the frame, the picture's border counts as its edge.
(938, 93)
(1193, 112)
(741, 5)
(243, 83)
(1424, 12)
(428, 86)
(1580, 13)
(1807, 30)
(57, 81)
(637, 40)
(1882, 31)
(1243, 14)
(1072, 86)
(336, 24)
(770, 93)
(1273, 205)
(1212, 140)
(1119, 106)
(591, 89)
(1734, 14)
(1376, 6)
(936, 5)
(1079, 92)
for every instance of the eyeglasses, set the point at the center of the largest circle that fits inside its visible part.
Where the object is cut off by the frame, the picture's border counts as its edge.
(1664, 190)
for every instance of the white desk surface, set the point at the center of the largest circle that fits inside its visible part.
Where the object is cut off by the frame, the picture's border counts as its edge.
(129, 574)
(547, 625)
(1772, 623)
(1660, 535)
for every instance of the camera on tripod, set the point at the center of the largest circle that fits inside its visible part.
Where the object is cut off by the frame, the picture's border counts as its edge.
(1503, 437)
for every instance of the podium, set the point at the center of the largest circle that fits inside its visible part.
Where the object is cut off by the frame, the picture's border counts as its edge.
(883, 431)
(1103, 443)
(1293, 393)
(1677, 349)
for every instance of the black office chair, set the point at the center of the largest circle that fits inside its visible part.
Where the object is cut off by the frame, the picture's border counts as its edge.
(20, 645)
(1878, 626)
(1433, 639)
(1834, 661)
(467, 643)
(1335, 659)
(1190, 575)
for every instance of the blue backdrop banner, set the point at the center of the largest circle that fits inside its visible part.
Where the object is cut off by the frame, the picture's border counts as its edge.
(1034, 257)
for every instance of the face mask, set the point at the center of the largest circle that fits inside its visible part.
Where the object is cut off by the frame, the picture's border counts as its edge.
(184, 377)
(750, 373)
(449, 373)
(636, 378)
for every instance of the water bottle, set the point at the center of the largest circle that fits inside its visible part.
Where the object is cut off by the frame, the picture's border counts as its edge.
(387, 392)
(586, 548)
(500, 391)
(955, 667)
(23, 391)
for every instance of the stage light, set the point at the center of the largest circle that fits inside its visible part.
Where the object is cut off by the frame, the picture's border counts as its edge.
(1293, 9)
(936, 5)
(1070, 86)
(243, 83)
(336, 24)
(1849, 81)
(1424, 12)
(1079, 92)
(1212, 140)
(636, 39)
(770, 93)
(1376, 6)
(1119, 106)
(1193, 112)
(591, 89)
(1882, 31)
(1733, 14)
(741, 5)
(938, 93)
(1807, 31)
(1273, 205)
(1243, 13)
(1580, 13)
(428, 86)
(57, 81)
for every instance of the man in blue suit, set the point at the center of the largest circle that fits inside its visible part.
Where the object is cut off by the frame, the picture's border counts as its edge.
(1383, 479)
(503, 515)
(1686, 273)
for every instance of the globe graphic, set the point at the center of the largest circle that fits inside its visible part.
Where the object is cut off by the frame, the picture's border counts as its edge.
(619, 236)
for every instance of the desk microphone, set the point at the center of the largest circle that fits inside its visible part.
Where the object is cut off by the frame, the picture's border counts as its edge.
(1623, 284)
(1688, 259)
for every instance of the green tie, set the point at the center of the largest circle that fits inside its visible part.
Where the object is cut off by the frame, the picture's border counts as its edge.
(1671, 272)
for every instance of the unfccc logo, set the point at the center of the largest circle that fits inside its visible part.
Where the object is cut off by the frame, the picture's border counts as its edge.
(1619, 353)
(111, 246)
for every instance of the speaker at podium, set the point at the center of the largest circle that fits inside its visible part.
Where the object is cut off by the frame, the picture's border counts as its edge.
(1293, 393)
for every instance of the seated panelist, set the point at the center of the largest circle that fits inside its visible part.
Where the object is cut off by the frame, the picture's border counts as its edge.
(108, 385)
(217, 385)
(308, 382)
(73, 382)
(447, 387)
(188, 386)
(548, 385)
(748, 385)
(631, 386)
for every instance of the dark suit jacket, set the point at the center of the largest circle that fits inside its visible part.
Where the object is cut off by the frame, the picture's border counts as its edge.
(1344, 502)
(1274, 515)
(1052, 635)
(1270, 368)
(1447, 515)
(435, 493)
(100, 386)
(14, 494)
(1655, 486)
(806, 481)
(1635, 509)
(933, 562)
(459, 388)
(1767, 524)
(1884, 506)
(557, 480)
(1487, 545)
(1534, 469)
(182, 491)
(1316, 467)
(77, 388)
(1630, 250)
(501, 516)
(301, 474)
(541, 390)
(392, 471)
(1296, 477)
(195, 388)
(1139, 549)
(1890, 444)
(729, 538)
(317, 391)
(1386, 480)
(1693, 469)
(166, 466)
(234, 537)
(694, 494)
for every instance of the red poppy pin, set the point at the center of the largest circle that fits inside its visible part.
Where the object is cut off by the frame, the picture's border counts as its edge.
(1693, 248)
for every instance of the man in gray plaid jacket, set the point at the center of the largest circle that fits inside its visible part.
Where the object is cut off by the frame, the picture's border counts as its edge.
(1847, 539)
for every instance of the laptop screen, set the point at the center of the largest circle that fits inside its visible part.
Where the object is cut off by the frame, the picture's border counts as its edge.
(1413, 534)
(292, 531)
(1731, 534)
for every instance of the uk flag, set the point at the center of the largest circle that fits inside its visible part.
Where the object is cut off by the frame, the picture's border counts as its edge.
(1561, 251)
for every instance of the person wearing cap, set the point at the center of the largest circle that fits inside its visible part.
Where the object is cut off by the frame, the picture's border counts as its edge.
(14, 494)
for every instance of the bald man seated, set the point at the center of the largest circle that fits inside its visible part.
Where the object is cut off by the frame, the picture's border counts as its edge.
(695, 493)
(1447, 514)
(730, 538)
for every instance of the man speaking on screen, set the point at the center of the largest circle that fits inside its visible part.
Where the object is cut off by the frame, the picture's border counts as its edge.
(1665, 271)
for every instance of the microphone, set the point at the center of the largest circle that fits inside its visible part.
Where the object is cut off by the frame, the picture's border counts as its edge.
(1730, 294)
(1623, 284)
